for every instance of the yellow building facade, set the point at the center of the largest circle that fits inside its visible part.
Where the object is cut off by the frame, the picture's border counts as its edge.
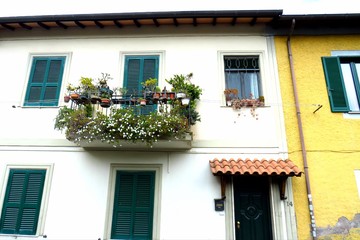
(331, 139)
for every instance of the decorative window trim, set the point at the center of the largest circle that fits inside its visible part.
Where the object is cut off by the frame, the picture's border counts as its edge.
(157, 168)
(45, 198)
(31, 57)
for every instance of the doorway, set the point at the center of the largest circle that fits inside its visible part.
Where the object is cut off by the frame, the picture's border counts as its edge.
(252, 208)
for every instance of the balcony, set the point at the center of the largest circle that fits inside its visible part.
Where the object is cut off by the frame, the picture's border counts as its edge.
(104, 119)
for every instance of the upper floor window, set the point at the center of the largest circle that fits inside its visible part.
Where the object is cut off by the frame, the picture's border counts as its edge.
(22, 201)
(243, 73)
(342, 79)
(45, 81)
(137, 70)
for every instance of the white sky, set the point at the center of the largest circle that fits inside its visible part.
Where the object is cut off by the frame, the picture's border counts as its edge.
(53, 7)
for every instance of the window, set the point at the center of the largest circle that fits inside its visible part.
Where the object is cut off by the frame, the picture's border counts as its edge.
(133, 205)
(341, 74)
(22, 201)
(243, 73)
(45, 81)
(137, 70)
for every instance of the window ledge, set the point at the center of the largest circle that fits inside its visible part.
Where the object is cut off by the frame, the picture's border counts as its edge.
(352, 115)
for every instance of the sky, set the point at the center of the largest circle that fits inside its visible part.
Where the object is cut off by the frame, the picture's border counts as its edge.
(55, 7)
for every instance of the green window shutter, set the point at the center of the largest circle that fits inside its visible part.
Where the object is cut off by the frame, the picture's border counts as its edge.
(335, 84)
(137, 70)
(45, 81)
(20, 213)
(133, 205)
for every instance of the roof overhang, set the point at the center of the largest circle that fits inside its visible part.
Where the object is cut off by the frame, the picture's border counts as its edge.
(273, 20)
(139, 19)
(278, 169)
(317, 24)
(255, 167)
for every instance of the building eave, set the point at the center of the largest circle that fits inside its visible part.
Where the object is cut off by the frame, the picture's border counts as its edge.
(138, 19)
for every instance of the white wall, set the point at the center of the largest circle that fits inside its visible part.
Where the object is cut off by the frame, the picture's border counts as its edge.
(79, 188)
(201, 55)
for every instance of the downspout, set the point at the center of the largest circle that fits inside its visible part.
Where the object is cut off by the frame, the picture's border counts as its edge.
(301, 134)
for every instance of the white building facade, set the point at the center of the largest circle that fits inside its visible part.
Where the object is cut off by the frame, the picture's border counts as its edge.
(81, 193)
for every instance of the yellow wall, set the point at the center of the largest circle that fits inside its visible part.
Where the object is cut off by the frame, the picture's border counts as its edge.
(332, 142)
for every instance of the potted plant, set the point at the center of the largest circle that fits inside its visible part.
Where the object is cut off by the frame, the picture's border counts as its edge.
(71, 89)
(105, 93)
(171, 95)
(150, 85)
(183, 83)
(87, 89)
(156, 95)
(230, 94)
(142, 101)
(250, 102)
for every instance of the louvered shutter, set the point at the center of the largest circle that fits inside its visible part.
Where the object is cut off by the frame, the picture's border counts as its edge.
(335, 84)
(149, 71)
(22, 202)
(137, 70)
(45, 81)
(133, 205)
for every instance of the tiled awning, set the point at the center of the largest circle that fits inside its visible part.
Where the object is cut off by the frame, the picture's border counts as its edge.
(262, 167)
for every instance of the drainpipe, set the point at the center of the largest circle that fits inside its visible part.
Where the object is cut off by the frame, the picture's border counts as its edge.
(301, 133)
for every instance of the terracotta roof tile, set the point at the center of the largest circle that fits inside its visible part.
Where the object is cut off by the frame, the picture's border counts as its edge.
(271, 167)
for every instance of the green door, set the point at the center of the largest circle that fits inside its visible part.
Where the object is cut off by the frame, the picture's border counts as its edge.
(252, 208)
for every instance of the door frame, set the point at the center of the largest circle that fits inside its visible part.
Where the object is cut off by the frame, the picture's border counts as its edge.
(283, 222)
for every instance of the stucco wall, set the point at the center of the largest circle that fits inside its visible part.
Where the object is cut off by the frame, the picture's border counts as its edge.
(90, 56)
(332, 141)
(79, 190)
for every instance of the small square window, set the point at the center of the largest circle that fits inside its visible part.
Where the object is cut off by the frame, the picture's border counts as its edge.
(243, 74)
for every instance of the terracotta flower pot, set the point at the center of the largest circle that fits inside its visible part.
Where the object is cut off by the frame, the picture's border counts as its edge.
(74, 96)
(105, 102)
(66, 99)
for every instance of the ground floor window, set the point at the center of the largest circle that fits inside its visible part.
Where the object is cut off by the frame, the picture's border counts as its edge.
(133, 207)
(22, 201)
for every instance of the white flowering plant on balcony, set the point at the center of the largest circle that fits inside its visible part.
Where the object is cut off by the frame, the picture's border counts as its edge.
(84, 121)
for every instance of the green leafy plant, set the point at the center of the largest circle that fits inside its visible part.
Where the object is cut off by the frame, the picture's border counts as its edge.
(182, 83)
(157, 89)
(150, 84)
(87, 85)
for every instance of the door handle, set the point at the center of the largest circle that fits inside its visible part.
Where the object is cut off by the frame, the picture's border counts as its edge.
(238, 224)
